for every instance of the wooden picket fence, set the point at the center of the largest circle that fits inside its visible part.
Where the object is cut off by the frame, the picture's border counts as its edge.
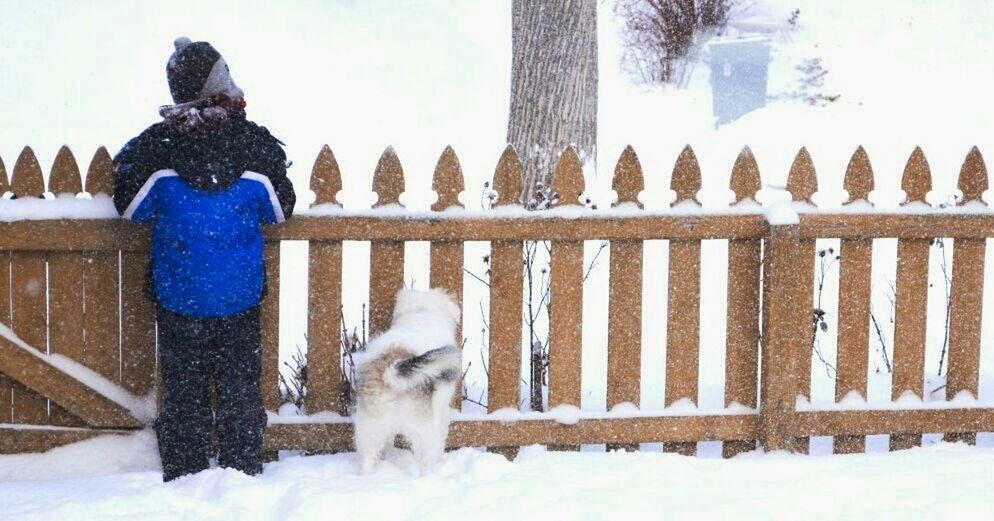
(75, 289)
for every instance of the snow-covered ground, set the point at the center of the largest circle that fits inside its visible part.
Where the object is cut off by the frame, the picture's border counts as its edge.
(106, 480)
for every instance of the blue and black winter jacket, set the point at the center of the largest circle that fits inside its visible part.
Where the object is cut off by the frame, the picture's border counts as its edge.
(207, 193)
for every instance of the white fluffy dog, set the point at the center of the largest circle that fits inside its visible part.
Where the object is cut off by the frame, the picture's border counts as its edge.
(407, 378)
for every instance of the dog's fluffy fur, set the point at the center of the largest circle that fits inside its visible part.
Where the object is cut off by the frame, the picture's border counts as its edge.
(407, 378)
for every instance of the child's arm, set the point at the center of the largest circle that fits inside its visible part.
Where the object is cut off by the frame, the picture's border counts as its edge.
(267, 157)
(134, 167)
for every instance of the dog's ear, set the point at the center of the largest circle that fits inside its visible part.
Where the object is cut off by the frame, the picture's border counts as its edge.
(448, 303)
(407, 301)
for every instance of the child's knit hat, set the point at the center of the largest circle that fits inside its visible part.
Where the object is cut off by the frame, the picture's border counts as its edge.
(197, 71)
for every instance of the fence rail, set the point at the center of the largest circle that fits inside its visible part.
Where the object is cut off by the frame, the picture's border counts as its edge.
(72, 287)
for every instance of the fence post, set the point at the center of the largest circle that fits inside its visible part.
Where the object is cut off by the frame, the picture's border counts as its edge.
(802, 183)
(786, 330)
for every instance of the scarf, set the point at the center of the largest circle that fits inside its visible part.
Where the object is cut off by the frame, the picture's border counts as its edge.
(203, 113)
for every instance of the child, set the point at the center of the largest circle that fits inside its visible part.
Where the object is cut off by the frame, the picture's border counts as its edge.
(207, 179)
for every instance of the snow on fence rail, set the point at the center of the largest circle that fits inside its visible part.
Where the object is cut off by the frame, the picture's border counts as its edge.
(73, 287)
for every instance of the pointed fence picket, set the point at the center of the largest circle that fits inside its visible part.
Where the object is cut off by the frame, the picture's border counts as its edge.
(92, 278)
(854, 301)
(447, 257)
(28, 289)
(64, 177)
(65, 282)
(911, 298)
(386, 263)
(101, 272)
(326, 383)
(684, 297)
(742, 337)
(566, 294)
(963, 373)
(506, 291)
(624, 343)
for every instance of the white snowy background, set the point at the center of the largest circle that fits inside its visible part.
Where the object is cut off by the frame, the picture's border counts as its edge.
(418, 75)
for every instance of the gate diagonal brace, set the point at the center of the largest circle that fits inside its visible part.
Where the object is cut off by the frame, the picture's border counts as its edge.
(84, 393)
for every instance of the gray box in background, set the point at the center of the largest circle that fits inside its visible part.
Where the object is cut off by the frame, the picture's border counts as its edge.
(739, 72)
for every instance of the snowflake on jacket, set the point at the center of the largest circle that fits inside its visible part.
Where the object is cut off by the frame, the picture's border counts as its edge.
(207, 194)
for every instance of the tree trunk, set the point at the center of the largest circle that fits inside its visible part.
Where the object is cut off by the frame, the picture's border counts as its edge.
(553, 105)
(553, 85)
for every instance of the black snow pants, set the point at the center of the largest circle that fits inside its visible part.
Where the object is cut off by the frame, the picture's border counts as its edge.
(192, 352)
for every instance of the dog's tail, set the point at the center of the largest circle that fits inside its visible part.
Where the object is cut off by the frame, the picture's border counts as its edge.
(438, 365)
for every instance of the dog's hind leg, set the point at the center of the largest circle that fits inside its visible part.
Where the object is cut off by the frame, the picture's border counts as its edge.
(436, 429)
(371, 438)
(441, 403)
(425, 444)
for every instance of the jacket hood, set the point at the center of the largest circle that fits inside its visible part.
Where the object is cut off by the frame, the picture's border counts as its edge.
(212, 159)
